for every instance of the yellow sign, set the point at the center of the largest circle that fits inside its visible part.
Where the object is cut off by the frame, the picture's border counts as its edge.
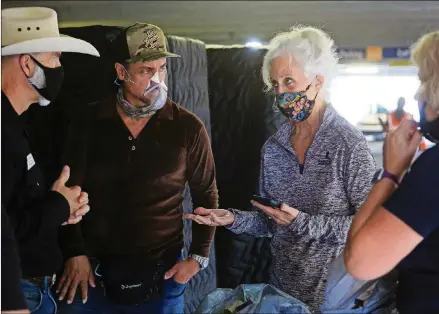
(374, 53)
(399, 62)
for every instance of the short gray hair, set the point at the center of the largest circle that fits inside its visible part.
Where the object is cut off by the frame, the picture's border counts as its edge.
(313, 49)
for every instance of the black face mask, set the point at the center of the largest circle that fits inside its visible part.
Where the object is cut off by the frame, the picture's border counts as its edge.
(429, 129)
(54, 78)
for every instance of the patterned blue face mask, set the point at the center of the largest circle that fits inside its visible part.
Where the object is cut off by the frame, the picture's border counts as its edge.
(295, 106)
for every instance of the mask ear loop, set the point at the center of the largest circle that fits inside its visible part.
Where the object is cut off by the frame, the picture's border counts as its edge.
(315, 97)
(129, 77)
(36, 61)
(275, 106)
(272, 93)
(422, 111)
(116, 80)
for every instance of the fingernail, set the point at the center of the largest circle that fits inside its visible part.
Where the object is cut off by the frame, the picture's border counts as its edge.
(60, 298)
(69, 302)
(57, 291)
(84, 301)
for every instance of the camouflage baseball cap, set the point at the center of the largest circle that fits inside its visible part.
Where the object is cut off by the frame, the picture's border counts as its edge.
(142, 42)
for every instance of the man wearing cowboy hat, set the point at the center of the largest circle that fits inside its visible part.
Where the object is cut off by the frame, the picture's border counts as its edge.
(135, 156)
(32, 73)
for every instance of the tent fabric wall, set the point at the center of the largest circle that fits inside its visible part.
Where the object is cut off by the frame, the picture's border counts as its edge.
(89, 79)
(187, 82)
(242, 120)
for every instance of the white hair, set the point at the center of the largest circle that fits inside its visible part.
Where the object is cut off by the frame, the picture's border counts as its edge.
(311, 47)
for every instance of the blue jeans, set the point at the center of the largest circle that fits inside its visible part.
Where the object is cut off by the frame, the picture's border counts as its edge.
(171, 301)
(343, 291)
(39, 299)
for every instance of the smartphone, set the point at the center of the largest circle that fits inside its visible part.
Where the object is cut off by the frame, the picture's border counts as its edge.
(267, 201)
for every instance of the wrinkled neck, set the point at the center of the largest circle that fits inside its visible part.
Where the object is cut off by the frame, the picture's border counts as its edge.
(310, 126)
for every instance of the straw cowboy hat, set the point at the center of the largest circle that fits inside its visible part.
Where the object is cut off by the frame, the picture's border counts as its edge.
(35, 29)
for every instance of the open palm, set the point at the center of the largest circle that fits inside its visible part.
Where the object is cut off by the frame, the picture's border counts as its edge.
(211, 217)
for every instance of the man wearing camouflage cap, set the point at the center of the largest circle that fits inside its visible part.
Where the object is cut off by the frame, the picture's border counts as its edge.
(134, 155)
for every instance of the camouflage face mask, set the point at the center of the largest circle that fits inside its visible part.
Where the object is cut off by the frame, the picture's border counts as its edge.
(145, 111)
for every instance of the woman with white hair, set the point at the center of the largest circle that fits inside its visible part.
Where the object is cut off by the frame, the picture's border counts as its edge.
(317, 166)
(398, 225)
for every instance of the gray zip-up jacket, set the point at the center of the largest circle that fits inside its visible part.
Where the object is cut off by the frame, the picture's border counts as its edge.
(330, 187)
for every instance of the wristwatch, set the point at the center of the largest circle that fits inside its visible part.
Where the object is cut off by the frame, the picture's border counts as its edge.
(203, 261)
(381, 174)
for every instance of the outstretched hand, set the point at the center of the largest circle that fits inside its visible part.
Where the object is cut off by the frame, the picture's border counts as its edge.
(211, 217)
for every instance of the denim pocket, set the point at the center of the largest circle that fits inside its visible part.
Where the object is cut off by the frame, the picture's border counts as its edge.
(173, 289)
(33, 295)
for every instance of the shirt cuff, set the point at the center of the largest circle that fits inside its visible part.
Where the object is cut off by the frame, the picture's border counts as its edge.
(299, 221)
(200, 251)
(238, 219)
(56, 209)
(73, 252)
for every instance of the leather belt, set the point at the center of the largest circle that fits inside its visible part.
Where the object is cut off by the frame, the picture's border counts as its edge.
(39, 281)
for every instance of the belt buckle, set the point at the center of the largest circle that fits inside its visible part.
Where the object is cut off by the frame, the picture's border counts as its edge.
(52, 281)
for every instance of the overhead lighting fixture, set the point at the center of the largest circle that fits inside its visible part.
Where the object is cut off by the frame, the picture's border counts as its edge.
(361, 70)
(254, 44)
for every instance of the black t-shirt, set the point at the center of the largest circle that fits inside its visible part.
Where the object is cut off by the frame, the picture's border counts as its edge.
(35, 213)
(12, 294)
(416, 202)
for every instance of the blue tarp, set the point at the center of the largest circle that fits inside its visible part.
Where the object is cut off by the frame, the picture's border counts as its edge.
(249, 299)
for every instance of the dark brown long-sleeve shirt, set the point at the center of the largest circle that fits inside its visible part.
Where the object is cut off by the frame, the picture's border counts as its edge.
(136, 186)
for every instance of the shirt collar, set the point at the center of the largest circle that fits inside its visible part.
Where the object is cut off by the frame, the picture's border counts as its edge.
(10, 118)
(283, 135)
(167, 112)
